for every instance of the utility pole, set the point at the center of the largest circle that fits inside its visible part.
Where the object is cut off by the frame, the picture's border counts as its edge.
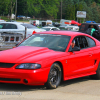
(16, 10)
(61, 9)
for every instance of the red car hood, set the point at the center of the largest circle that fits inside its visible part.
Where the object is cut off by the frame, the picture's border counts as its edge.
(24, 54)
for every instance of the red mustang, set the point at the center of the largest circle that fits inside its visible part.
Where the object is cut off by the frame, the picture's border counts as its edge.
(47, 57)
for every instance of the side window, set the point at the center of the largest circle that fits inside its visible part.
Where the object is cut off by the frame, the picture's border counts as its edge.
(55, 29)
(91, 42)
(94, 26)
(81, 42)
(52, 29)
(1, 26)
(13, 26)
(10, 26)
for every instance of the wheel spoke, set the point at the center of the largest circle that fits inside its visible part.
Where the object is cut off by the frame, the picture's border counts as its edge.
(54, 75)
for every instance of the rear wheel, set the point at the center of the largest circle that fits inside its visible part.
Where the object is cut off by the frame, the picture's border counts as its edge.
(97, 75)
(54, 77)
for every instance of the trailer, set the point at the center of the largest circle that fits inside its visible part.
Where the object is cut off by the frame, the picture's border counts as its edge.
(34, 21)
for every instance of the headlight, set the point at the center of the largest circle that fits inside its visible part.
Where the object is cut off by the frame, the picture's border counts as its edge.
(28, 66)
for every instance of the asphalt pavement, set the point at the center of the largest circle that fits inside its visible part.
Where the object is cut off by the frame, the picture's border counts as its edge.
(76, 89)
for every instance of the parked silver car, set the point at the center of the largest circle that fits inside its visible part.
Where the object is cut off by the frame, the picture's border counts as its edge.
(5, 26)
(12, 33)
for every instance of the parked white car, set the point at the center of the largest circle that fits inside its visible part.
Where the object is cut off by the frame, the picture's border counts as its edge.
(50, 28)
(10, 26)
(72, 28)
(63, 27)
(2, 20)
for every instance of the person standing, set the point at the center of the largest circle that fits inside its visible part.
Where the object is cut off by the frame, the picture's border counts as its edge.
(92, 30)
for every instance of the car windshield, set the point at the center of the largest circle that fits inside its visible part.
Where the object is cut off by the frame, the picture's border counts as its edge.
(47, 29)
(62, 28)
(51, 41)
(29, 26)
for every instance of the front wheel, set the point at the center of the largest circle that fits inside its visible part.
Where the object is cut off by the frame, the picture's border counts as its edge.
(54, 77)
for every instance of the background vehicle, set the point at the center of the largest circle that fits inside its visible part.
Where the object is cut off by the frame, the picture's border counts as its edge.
(21, 17)
(50, 28)
(7, 26)
(2, 20)
(9, 39)
(45, 23)
(34, 21)
(85, 27)
(90, 22)
(72, 28)
(63, 27)
(12, 33)
(68, 22)
(56, 24)
(11, 21)
(47, 57)
(64, 22)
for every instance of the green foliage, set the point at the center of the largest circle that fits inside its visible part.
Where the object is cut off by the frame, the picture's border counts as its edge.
(52, 8)
(47, 7)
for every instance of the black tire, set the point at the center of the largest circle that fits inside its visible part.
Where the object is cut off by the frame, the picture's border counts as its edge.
(54, 77)
(97, 75)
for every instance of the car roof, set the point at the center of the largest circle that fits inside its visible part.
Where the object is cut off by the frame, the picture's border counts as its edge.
(72, 26)
(68, 33)
(60, 32)
(49, 27)
(91, 23)
(12, 22)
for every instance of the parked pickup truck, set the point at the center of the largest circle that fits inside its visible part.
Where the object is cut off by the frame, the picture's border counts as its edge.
(86, 28)
(10, 38)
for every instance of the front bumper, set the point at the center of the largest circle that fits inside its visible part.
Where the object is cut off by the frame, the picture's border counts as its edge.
(23, 76)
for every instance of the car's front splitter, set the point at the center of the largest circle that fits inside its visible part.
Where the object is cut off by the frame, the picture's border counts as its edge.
(22, 76)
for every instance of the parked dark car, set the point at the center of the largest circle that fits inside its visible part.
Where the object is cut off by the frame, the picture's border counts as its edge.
(56, 24)
(86, 28)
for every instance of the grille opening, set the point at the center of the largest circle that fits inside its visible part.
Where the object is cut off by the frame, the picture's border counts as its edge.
(12, 39)
(6, 65)
(9, 79)
(17, 38)
(7, 39)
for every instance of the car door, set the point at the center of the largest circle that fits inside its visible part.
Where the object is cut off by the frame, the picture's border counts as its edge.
(80, 62)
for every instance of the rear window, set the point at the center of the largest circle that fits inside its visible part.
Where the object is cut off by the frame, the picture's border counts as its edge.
(29, 26)
(82, 28)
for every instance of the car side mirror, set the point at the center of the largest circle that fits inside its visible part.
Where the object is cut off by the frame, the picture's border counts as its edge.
(75, 49)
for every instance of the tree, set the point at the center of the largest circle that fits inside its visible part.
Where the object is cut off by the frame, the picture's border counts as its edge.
(70, 10)
(96, 11)
(7, 6)
(45, 8)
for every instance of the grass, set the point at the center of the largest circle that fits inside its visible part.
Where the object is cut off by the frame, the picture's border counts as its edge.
(18, 20)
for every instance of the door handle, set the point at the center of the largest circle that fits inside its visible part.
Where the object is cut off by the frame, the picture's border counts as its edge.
(90, 54)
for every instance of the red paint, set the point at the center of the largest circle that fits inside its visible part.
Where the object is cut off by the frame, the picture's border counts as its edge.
(77, 64)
